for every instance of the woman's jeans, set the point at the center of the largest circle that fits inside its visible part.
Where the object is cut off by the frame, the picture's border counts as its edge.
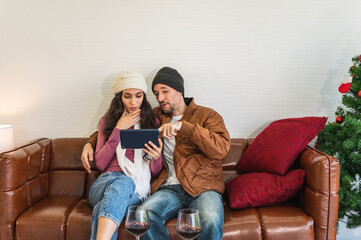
(110, 195)
(168, 200)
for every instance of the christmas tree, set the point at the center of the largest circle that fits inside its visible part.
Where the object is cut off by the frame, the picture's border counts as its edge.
(342, 139)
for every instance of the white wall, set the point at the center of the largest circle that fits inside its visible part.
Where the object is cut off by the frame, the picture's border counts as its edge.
(252, 61)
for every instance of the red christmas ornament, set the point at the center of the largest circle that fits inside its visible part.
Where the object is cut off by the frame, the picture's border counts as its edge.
(339, 119)
(346, 85)
(359, 59)
(344, 88)
(359, 94)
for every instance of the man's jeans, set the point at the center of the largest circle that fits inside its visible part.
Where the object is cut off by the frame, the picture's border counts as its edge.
(110, 195)
(168, 200)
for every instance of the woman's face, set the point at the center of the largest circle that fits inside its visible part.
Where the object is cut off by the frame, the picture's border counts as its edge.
(132, 99)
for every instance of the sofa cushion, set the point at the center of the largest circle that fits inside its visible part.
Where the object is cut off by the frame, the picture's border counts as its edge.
(67, 183)
(238, 147)
(276, 147)
(65, 153)
(260, 189)
(78, 226)
(242, 224)
(46, 219)
(286, 221)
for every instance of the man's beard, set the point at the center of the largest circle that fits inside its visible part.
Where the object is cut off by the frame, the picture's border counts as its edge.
(170, 110)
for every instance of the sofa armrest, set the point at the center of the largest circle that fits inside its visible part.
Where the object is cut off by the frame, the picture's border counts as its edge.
(320, 196)
(23, 182)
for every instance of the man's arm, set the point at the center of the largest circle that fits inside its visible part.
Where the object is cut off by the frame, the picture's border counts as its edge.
(88, 151)
(93, 139)
(212, 138)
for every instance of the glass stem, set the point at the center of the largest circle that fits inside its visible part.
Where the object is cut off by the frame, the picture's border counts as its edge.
(137, 238)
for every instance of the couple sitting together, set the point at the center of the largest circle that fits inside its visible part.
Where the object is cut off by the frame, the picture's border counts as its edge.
(184, 171)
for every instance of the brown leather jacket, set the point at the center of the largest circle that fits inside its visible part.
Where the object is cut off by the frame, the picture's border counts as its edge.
(201, 144)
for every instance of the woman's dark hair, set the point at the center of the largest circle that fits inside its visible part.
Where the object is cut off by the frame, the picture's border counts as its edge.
(116, 110)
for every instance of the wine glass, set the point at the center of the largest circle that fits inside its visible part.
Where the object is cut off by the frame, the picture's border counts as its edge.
(137, 221)
(188, 223)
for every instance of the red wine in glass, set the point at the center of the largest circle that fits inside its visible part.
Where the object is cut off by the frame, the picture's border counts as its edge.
(188, 232)
(188, 223)
(137, 229)
(137, 221)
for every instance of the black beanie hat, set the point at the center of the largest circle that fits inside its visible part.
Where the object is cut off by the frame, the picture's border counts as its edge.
(170, 77)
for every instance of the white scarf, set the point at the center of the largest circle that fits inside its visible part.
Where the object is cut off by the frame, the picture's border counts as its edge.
(138, 170)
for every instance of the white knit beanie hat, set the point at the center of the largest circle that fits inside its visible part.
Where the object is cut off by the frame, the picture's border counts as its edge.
(129, 79)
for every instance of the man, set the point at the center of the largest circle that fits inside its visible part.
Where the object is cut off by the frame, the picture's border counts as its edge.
(195, 143)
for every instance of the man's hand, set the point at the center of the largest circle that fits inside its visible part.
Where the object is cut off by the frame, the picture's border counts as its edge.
(87, 156)
(170, 129)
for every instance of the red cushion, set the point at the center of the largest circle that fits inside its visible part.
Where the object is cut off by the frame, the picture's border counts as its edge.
(260, 189)
(276, 147)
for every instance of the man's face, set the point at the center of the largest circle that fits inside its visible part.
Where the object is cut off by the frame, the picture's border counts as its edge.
(167, 97)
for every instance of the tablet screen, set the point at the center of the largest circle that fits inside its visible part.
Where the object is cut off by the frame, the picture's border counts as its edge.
(136, 138)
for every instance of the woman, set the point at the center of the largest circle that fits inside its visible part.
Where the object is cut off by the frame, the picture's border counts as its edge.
(126, 173)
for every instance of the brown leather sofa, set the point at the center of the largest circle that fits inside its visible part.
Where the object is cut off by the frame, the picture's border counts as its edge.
(43, 195)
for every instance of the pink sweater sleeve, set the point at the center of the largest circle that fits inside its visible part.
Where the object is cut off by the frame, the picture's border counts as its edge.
(105, 150)
(156, 165)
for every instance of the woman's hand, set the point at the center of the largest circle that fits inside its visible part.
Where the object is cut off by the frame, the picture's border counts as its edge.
(128, 120)
(152, 150)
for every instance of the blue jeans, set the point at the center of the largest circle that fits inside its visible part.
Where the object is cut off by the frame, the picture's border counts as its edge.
(165, 203)
(110, 195)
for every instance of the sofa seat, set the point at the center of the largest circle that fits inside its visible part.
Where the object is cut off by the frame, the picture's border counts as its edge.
(78, 225)
(46, 218)
(44, 191)
(286, 221)
(57, 217)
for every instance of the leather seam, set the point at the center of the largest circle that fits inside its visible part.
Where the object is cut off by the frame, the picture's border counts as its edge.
(260, 223)
(67, 214)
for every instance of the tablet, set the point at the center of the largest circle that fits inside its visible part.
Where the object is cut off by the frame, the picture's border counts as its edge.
(136, 138)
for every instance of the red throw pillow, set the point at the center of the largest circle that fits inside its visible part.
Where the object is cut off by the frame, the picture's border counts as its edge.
(261, 189)
(276, 147)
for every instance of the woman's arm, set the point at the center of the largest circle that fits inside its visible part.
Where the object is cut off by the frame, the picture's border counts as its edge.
(156, 166)
(105, 150)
